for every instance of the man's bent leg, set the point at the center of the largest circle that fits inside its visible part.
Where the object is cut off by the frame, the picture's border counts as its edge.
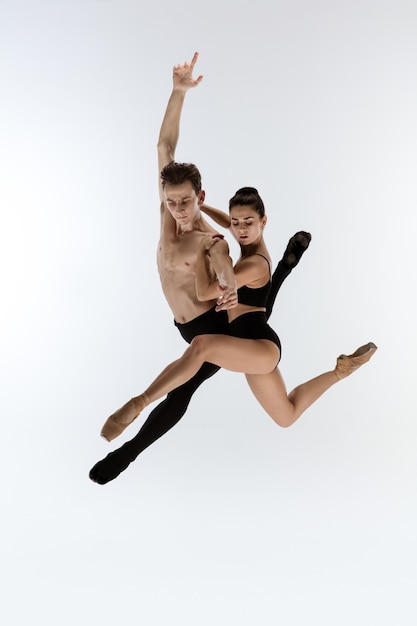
(160, 420)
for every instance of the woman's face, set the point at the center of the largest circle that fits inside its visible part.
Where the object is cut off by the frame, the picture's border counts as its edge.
(247, 225)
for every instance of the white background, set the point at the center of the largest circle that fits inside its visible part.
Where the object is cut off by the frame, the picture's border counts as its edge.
(228, 519)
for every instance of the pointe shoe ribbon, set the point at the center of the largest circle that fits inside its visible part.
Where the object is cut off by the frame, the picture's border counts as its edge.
(347, 364)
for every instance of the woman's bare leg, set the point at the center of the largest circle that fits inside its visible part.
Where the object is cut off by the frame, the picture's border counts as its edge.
(284, 408)
(232, 353)
(255, 358)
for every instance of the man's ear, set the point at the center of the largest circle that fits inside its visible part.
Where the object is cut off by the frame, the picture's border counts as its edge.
(201, 197)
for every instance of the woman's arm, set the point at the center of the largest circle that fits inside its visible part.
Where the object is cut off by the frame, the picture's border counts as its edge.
(220, 217)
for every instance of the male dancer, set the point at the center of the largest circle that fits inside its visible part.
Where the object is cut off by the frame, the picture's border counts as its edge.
(182, 227)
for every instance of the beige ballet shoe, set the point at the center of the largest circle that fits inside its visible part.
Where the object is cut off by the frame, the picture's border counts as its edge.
(347, 364)
(121, 419)
(113, 429)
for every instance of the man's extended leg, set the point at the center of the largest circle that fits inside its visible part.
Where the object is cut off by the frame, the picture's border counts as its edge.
(160, 420)
(295, 249)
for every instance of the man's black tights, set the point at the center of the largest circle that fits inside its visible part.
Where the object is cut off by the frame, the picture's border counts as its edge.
(160, 420)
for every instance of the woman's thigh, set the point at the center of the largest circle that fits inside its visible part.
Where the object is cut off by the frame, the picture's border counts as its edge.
(248, 356)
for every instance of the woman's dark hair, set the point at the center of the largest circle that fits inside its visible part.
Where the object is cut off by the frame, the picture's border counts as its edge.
(177, 173)
(249, 196)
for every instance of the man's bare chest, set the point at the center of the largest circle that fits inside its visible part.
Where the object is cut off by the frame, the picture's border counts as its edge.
(179, 253)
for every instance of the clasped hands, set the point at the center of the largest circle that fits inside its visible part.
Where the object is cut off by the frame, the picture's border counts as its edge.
(224, 271)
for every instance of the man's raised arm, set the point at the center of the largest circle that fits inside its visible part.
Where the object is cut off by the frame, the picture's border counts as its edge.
(170, 129)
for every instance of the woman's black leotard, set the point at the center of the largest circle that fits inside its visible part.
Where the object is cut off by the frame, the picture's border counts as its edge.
(254, 325)
(255, 296)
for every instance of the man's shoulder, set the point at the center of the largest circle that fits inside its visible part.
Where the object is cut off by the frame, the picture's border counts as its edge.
(204, 228)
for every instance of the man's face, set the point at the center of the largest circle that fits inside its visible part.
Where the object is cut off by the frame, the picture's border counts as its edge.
(182, 202)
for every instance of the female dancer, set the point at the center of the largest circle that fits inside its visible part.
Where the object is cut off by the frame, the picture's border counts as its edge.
(253, 348)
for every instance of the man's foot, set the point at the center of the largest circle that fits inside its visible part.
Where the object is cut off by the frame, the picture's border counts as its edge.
(109, 468)
(295, 249)
(122, 418)
(346, 365)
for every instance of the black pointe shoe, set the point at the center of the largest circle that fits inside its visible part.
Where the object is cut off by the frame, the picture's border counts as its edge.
(295, 249)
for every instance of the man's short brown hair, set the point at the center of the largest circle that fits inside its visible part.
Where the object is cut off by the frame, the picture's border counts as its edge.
(177, 173)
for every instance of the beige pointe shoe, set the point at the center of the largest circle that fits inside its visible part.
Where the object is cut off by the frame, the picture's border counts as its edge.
(121, 419)
(346, 365)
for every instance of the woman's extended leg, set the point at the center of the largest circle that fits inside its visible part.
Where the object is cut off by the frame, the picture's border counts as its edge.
(285, 409)
(254, 357)
(257, 356)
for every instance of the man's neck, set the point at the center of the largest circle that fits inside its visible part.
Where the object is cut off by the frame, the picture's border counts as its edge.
(197, 224)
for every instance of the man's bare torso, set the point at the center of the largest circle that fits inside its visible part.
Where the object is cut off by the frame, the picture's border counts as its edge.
(177, 257)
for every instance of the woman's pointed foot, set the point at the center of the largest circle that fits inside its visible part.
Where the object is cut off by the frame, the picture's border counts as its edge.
(122, 418)
(347, 364)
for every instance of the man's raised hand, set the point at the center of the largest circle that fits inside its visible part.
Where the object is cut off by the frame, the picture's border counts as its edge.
(183, 75)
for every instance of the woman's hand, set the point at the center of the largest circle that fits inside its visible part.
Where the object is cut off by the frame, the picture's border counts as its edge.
(228, 296)
(208, 242)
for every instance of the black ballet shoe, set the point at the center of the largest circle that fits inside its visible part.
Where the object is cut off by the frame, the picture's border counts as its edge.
(295, 249)
(110, 467)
